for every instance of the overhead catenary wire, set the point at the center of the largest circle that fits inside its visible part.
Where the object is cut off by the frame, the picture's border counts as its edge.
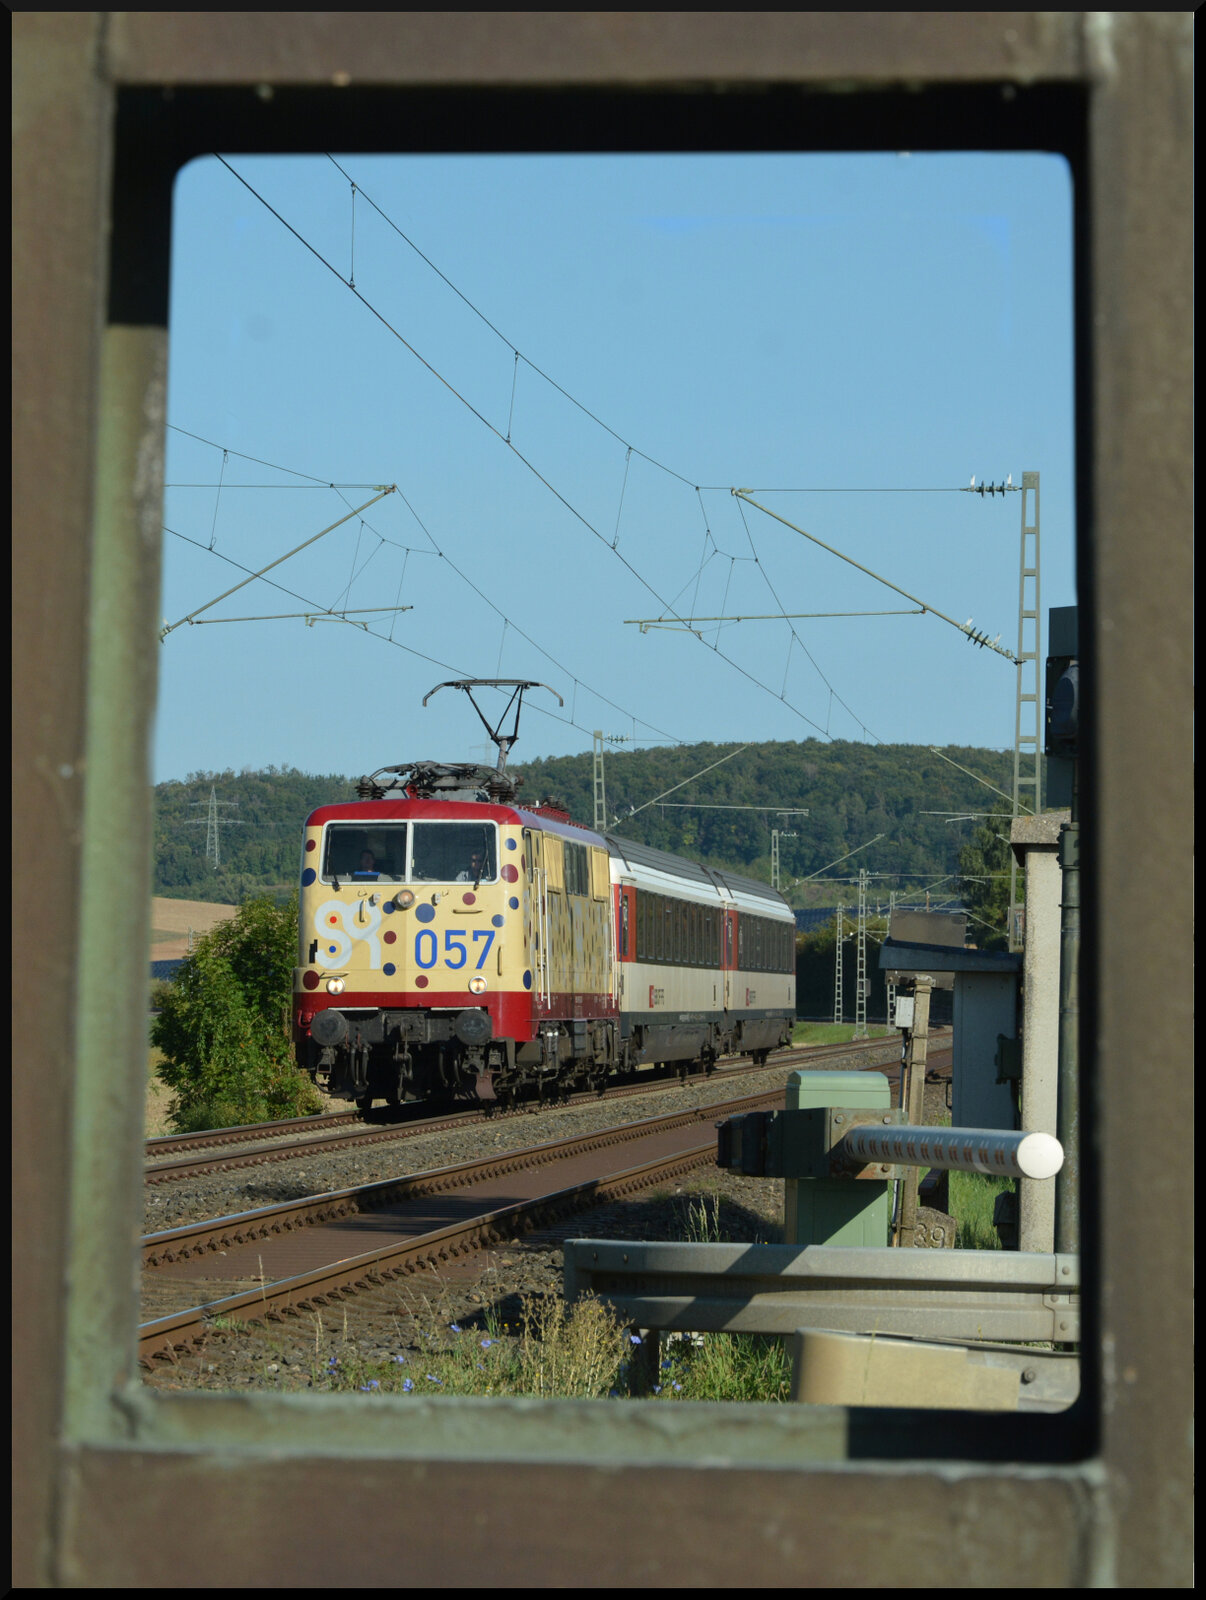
(574, 512)
(437, 551)
(319, 610)
(524, 460)
(707, 805)
(231, 487)
(518, 354)
(259, 461)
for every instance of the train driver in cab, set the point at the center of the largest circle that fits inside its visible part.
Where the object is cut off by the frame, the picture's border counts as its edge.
(368, 865)
(475, 869)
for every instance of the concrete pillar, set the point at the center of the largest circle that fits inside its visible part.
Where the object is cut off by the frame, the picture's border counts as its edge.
(1035, 842)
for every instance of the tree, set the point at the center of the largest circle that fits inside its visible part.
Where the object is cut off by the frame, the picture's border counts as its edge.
(223, 1027)
(984, 884)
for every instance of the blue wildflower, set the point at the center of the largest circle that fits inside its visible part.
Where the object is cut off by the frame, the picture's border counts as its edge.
(657, 1388)
(454, 1326)
(401, 1360)
(635, 1338)
(486, 1343)
(432, 1379)
(373, 1383)
(407, 1385)
(666, 1366)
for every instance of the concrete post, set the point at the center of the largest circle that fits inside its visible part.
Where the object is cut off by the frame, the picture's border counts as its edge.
(1035, 842)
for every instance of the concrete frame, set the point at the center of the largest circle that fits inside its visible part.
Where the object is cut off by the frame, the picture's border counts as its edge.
(113, 1485)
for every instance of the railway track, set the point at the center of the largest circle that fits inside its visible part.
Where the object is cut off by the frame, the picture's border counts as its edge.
(293, 1257)
(222, 1150)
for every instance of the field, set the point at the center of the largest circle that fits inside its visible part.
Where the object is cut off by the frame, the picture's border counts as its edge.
(171, 921)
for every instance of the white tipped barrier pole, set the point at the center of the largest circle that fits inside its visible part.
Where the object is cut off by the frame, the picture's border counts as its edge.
(1007, 1155)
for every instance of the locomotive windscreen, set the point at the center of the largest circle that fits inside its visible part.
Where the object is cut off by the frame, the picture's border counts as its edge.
(366, 854)
(453, 852)
(417, 852)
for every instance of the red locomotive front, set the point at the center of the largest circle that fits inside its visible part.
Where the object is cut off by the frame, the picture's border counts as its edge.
(446, 942)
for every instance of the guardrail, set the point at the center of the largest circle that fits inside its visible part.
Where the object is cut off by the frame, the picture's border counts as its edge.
(778, 1288)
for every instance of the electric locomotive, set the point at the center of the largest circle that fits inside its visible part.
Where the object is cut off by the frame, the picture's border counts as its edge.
(454, 942)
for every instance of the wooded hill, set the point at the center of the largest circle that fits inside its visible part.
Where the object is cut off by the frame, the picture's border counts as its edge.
(851, 793)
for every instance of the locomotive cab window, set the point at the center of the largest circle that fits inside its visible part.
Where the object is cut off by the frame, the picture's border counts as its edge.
(365, 855)
(453, 852)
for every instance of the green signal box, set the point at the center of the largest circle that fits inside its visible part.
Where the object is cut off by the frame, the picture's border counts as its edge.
(797, 1145)
(836, 1211)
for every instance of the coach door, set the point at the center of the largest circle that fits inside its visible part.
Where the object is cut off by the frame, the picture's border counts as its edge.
(728, 958)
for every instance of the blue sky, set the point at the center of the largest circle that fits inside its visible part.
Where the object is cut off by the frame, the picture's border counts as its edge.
(850, 337)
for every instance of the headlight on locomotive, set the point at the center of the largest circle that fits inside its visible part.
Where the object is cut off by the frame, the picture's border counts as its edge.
(335, 986)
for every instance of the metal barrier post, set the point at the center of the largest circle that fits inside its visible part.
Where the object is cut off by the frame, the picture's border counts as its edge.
(912, 1100)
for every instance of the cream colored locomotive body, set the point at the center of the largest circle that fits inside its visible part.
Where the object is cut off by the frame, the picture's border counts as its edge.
(459, 947)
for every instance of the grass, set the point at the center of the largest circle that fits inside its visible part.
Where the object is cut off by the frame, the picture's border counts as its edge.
(833, 1032)
(972, 1198)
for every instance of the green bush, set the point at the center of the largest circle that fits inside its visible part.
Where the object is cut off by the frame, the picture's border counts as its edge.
(224, 1030)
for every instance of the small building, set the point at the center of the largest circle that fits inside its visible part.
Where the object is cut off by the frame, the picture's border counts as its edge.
(985, 985)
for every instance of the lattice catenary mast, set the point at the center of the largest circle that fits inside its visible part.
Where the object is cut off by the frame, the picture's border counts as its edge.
(1028, 713)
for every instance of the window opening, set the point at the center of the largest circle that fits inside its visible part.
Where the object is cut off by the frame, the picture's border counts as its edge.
(365, 854)
(453, 852)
